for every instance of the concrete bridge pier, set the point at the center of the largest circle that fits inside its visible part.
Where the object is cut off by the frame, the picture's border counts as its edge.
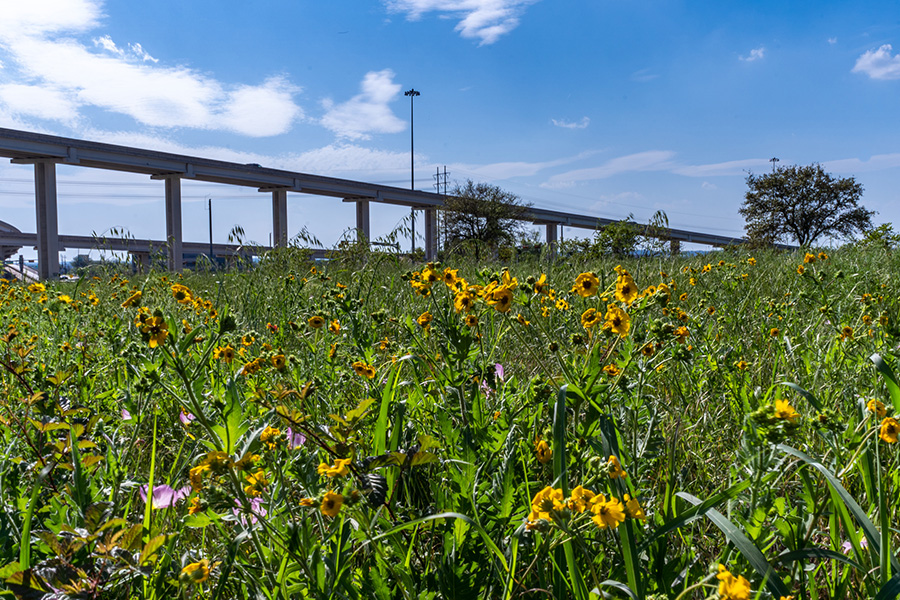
(47, 219)
(173, 223)
(430, 234)
(552, 230)
(46, 213)
(363, 225)
(279, 218)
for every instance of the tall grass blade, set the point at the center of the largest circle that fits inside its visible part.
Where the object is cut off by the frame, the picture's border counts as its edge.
(559, 475)
(847, 501)
(807, 553)
(890, 379)
(890, 590)
(25, 544)
(698, 511)
(806, 394)
(745, 546)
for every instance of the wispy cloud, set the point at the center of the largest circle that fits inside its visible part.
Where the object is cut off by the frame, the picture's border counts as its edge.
(134, 52)
(41, 102)
(755, 54)
(343, 160)
(582, 124)
(484, 20)
(832, 40)
(653, 160)
(731, 167)
(879, 64)
(643, 76)
(369, 111)
(877, 162)
(42, 51)
(507, 170)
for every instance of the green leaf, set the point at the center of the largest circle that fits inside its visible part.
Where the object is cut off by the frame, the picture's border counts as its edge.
(27, 585)
(698, 511)
(889, 590)
(151, 548)
(745, 546)
(805, 554)
(890, 379)
(846, 502)
(808, 395)
(25, 544)
(596, 593)
(197, 520)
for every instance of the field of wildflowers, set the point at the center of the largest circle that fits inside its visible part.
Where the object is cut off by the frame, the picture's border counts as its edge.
(676, 427)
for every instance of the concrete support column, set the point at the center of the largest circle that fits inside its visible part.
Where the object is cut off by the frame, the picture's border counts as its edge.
(363, 229)
(173, 224)
(674, 247)
(279, 218)
(430, 234)
(47, 220)
(552, 229)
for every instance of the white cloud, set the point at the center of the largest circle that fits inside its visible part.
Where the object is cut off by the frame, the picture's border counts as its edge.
(879, 64)
(708, 186)
(755, 54)
(643, 76)
(832, 40)
(582, 124)
(486, 20)
(38, 101)
(261, 110)
(653, 160)
(135, 51)
(39, 44)
(877, 162)
(333, 159)
(508, 170)
(620, 199)
(367, 112)
(731, 167)
(37, 18)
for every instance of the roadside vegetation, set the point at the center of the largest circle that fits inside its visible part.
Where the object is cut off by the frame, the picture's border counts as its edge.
(711, 426)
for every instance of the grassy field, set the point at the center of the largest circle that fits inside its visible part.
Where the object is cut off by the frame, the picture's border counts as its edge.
(717, 426)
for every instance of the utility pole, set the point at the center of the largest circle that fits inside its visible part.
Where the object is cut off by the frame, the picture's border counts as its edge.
(773, 160)
(412, 93)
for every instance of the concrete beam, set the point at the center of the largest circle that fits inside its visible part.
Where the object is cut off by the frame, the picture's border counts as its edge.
(47, 219)
(363, 227)
(279, 218)
(552, 240)
(430, 234)
(173, 223)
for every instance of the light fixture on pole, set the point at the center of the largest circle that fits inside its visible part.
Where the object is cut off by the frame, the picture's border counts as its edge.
(412, 93)
(774, 160)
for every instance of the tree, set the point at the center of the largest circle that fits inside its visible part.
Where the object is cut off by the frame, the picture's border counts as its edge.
(484, 214)
(618, 239)
(803, 203)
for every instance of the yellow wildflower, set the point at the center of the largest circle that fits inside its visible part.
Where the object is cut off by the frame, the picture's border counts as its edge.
(331, 504)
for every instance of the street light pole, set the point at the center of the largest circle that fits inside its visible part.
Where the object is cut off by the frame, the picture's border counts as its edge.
(209, 204)
(412, 93)
(774, 160)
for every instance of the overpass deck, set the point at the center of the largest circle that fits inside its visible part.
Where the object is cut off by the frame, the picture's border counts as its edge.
(46, 151)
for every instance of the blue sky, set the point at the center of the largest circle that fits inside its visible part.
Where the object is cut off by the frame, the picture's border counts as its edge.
(599, 107)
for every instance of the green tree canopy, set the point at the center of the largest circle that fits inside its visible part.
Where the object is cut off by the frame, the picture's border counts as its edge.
(803, 203)
(482, 213)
